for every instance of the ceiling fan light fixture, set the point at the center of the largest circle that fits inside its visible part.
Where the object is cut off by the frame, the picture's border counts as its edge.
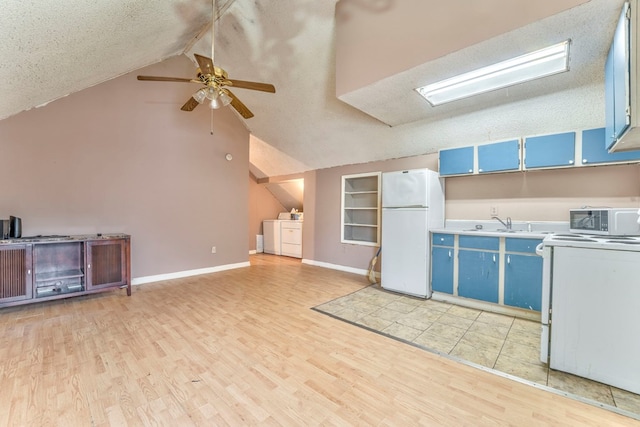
(200, 96)
(541, 63)
(222, 99)
(215, 104)
(225, 98)
(212, 93)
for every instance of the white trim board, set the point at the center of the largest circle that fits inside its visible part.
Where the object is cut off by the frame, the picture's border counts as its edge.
(336, 267)
(187, 273)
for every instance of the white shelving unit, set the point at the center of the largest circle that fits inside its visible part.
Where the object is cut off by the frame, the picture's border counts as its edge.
(360, 209)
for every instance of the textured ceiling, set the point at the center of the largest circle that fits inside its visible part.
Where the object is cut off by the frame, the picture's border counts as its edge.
(51, 51)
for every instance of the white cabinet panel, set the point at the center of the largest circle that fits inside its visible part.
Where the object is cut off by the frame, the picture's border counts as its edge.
(595, 316)
(271, 232)
(291, 238)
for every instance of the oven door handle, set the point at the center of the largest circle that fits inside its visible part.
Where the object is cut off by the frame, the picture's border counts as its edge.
(539, 249)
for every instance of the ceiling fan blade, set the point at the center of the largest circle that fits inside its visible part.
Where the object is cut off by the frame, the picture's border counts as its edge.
(205, 64)
(167, 79)
(265, 87)
(239, 106)
(190, 105)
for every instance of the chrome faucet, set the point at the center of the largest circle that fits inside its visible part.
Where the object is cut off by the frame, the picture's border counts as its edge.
(507, 224)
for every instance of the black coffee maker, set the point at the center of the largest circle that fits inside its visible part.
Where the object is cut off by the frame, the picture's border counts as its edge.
(11, 228)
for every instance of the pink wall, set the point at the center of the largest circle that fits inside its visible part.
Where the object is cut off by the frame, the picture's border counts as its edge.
(544, 195)
(324, 193)
(122, 157)
(262, 205)
(310, 215)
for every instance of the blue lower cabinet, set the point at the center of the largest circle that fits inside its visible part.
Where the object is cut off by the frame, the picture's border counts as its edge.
(442, 270)
(479, 242)
(523, 281)
(478, 275)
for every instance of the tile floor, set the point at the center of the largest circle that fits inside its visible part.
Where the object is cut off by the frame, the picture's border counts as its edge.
(503, 343)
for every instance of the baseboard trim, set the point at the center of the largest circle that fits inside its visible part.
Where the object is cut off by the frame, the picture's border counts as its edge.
(187, 273)
(253, 252)
(335, 267)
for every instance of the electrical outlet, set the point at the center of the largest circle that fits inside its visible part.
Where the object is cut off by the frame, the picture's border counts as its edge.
(213, 249)
(494, 211)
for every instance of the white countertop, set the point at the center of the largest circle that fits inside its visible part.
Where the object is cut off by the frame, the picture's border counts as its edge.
(493, 228)
(572, 240)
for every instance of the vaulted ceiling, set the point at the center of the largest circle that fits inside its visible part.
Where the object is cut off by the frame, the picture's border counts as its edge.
(52, 49)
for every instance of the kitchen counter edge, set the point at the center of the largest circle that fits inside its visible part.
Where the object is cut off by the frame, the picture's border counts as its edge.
(520, 234)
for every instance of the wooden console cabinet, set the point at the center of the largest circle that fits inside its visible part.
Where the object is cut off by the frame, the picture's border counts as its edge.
(45, 268)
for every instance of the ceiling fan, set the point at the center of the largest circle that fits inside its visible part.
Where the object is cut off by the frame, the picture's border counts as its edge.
(216, 83)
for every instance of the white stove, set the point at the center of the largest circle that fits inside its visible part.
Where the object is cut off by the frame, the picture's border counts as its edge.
(618, 243)
(590, 300)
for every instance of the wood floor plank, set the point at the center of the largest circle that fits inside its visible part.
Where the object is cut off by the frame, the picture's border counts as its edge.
(243, 347)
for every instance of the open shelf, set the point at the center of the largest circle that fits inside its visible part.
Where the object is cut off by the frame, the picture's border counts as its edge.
(58, 275)
(361, 209)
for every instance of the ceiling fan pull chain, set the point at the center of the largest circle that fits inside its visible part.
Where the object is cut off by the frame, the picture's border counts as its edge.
(211, 121)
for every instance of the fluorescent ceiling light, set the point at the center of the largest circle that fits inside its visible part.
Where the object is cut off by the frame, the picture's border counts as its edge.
(534, 65)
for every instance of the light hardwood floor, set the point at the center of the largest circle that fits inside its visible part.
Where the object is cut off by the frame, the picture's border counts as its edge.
(243, 347)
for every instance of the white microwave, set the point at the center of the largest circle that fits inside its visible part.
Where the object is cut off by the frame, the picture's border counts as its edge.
(605, 221)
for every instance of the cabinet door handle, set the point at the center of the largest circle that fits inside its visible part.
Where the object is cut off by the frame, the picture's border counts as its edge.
(88, 265)
(28, 271)
(494, 257)
(449, 253)
(508, 259)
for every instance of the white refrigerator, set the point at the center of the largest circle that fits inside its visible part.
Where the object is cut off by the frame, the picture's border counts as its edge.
(412, 204)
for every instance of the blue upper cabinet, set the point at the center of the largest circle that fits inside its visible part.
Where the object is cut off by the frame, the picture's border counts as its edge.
(550, 151)
(456, 161)
(617, 96)
(499, 157)
(594, 150)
